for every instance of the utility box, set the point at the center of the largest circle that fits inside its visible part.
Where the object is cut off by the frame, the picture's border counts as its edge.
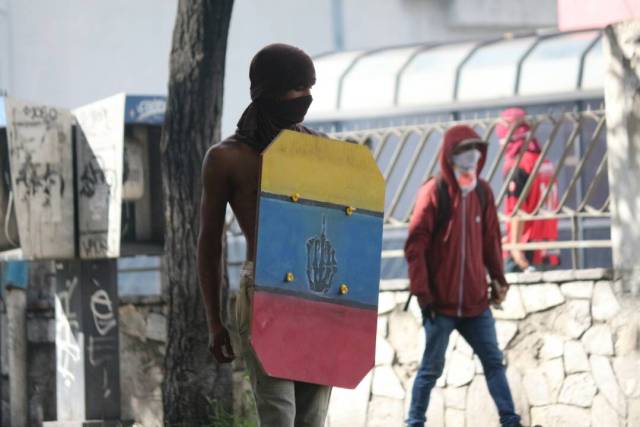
(83, 188)
(142, 196)
(85, 183)
(40, 156)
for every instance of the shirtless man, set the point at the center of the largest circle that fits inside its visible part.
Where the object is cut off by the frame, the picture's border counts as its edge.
(281, 78)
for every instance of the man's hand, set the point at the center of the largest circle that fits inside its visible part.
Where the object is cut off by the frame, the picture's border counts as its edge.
(423, 300)
(426, 306)
(220, 345)
(498, 293)
(428, 313)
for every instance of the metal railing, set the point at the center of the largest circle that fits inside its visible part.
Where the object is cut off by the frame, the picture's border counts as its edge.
(574, 142)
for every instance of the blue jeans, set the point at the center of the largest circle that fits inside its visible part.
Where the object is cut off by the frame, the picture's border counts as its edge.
(480, 333)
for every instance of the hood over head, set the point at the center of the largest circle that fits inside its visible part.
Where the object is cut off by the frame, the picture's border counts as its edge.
(279, 67)
(455, 138)
(512, 117)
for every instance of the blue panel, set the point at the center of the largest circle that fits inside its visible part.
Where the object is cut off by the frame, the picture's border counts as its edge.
(15, 273)
(139, 262)
(145, 110)
(140, 283)
(351, 247)
(3, 117)
(140, 275)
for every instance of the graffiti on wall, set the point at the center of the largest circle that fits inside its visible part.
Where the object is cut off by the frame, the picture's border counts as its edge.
(69, 342)
(88, 383)
(67, 328)
(41, 162)
(100, 140)
(100, 306)
(102, 345)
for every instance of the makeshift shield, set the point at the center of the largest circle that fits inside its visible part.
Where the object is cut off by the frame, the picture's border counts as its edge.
(317, 269)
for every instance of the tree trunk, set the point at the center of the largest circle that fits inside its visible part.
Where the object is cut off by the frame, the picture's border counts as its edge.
(192, 124)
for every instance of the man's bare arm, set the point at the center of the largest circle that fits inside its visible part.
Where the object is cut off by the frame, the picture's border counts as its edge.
(215, 195)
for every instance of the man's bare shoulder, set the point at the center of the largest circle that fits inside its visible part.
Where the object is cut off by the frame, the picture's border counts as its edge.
(304, 129)
(226, 152)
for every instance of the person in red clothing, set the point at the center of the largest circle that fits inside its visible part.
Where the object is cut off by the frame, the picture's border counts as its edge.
(519, 231)
(448, 261)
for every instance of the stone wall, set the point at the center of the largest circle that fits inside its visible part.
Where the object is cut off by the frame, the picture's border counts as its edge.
(571, 342)
(142, 344)
(571, 350)
(143, 337)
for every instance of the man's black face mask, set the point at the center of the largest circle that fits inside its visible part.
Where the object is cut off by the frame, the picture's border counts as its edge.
(275, 70)
(287, 112)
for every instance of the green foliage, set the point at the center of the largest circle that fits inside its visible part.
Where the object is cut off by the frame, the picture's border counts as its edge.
(246, 416)
(220, 417)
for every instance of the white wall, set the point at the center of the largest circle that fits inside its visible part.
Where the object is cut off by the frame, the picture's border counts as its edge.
(4, 47)
(68, 53)
(507, 14)
(256, 23)
(384, 23)
(367, 24)
(71, 52)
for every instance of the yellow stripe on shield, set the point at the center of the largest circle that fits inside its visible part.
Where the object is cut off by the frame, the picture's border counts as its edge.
(317, 168)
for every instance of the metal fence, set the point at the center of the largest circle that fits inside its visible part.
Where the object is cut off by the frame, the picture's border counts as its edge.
(574, 142)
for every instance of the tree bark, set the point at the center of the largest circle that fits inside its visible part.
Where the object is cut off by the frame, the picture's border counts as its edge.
(192, 124)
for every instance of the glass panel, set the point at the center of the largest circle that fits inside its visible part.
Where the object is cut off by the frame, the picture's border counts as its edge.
(140, 275)
(393, 268)
(409, 144)
(589, 174)
(491, 70)
(372, 81)
(430, 77)
(554, 64)
(427, 154)
(593, 72)
(139, 262)
(329, 69)
(597, 229)
(140, 283)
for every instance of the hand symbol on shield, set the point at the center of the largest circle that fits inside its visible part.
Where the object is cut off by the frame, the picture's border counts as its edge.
(321, 261)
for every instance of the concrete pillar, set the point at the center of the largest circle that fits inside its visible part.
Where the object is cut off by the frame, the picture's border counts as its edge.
(16, 301)
(87, 346)
(622, 100)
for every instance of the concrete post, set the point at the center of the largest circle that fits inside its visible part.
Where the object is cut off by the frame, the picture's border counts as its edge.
(622, 100)
(87, 346)
(16, 301)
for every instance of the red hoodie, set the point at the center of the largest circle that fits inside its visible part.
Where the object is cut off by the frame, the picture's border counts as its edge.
(448, 269)
(538, 230)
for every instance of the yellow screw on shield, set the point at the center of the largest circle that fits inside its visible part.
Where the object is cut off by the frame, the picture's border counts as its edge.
(289, 277)
(350, 210)
(295, 197)
(344, 289)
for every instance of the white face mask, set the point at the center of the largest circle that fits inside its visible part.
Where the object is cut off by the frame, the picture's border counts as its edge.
(465, 166)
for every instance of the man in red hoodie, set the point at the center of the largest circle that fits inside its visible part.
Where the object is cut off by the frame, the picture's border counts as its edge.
(448, 262)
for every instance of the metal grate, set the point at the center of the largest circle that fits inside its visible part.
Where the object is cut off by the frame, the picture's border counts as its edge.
(573, 141)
